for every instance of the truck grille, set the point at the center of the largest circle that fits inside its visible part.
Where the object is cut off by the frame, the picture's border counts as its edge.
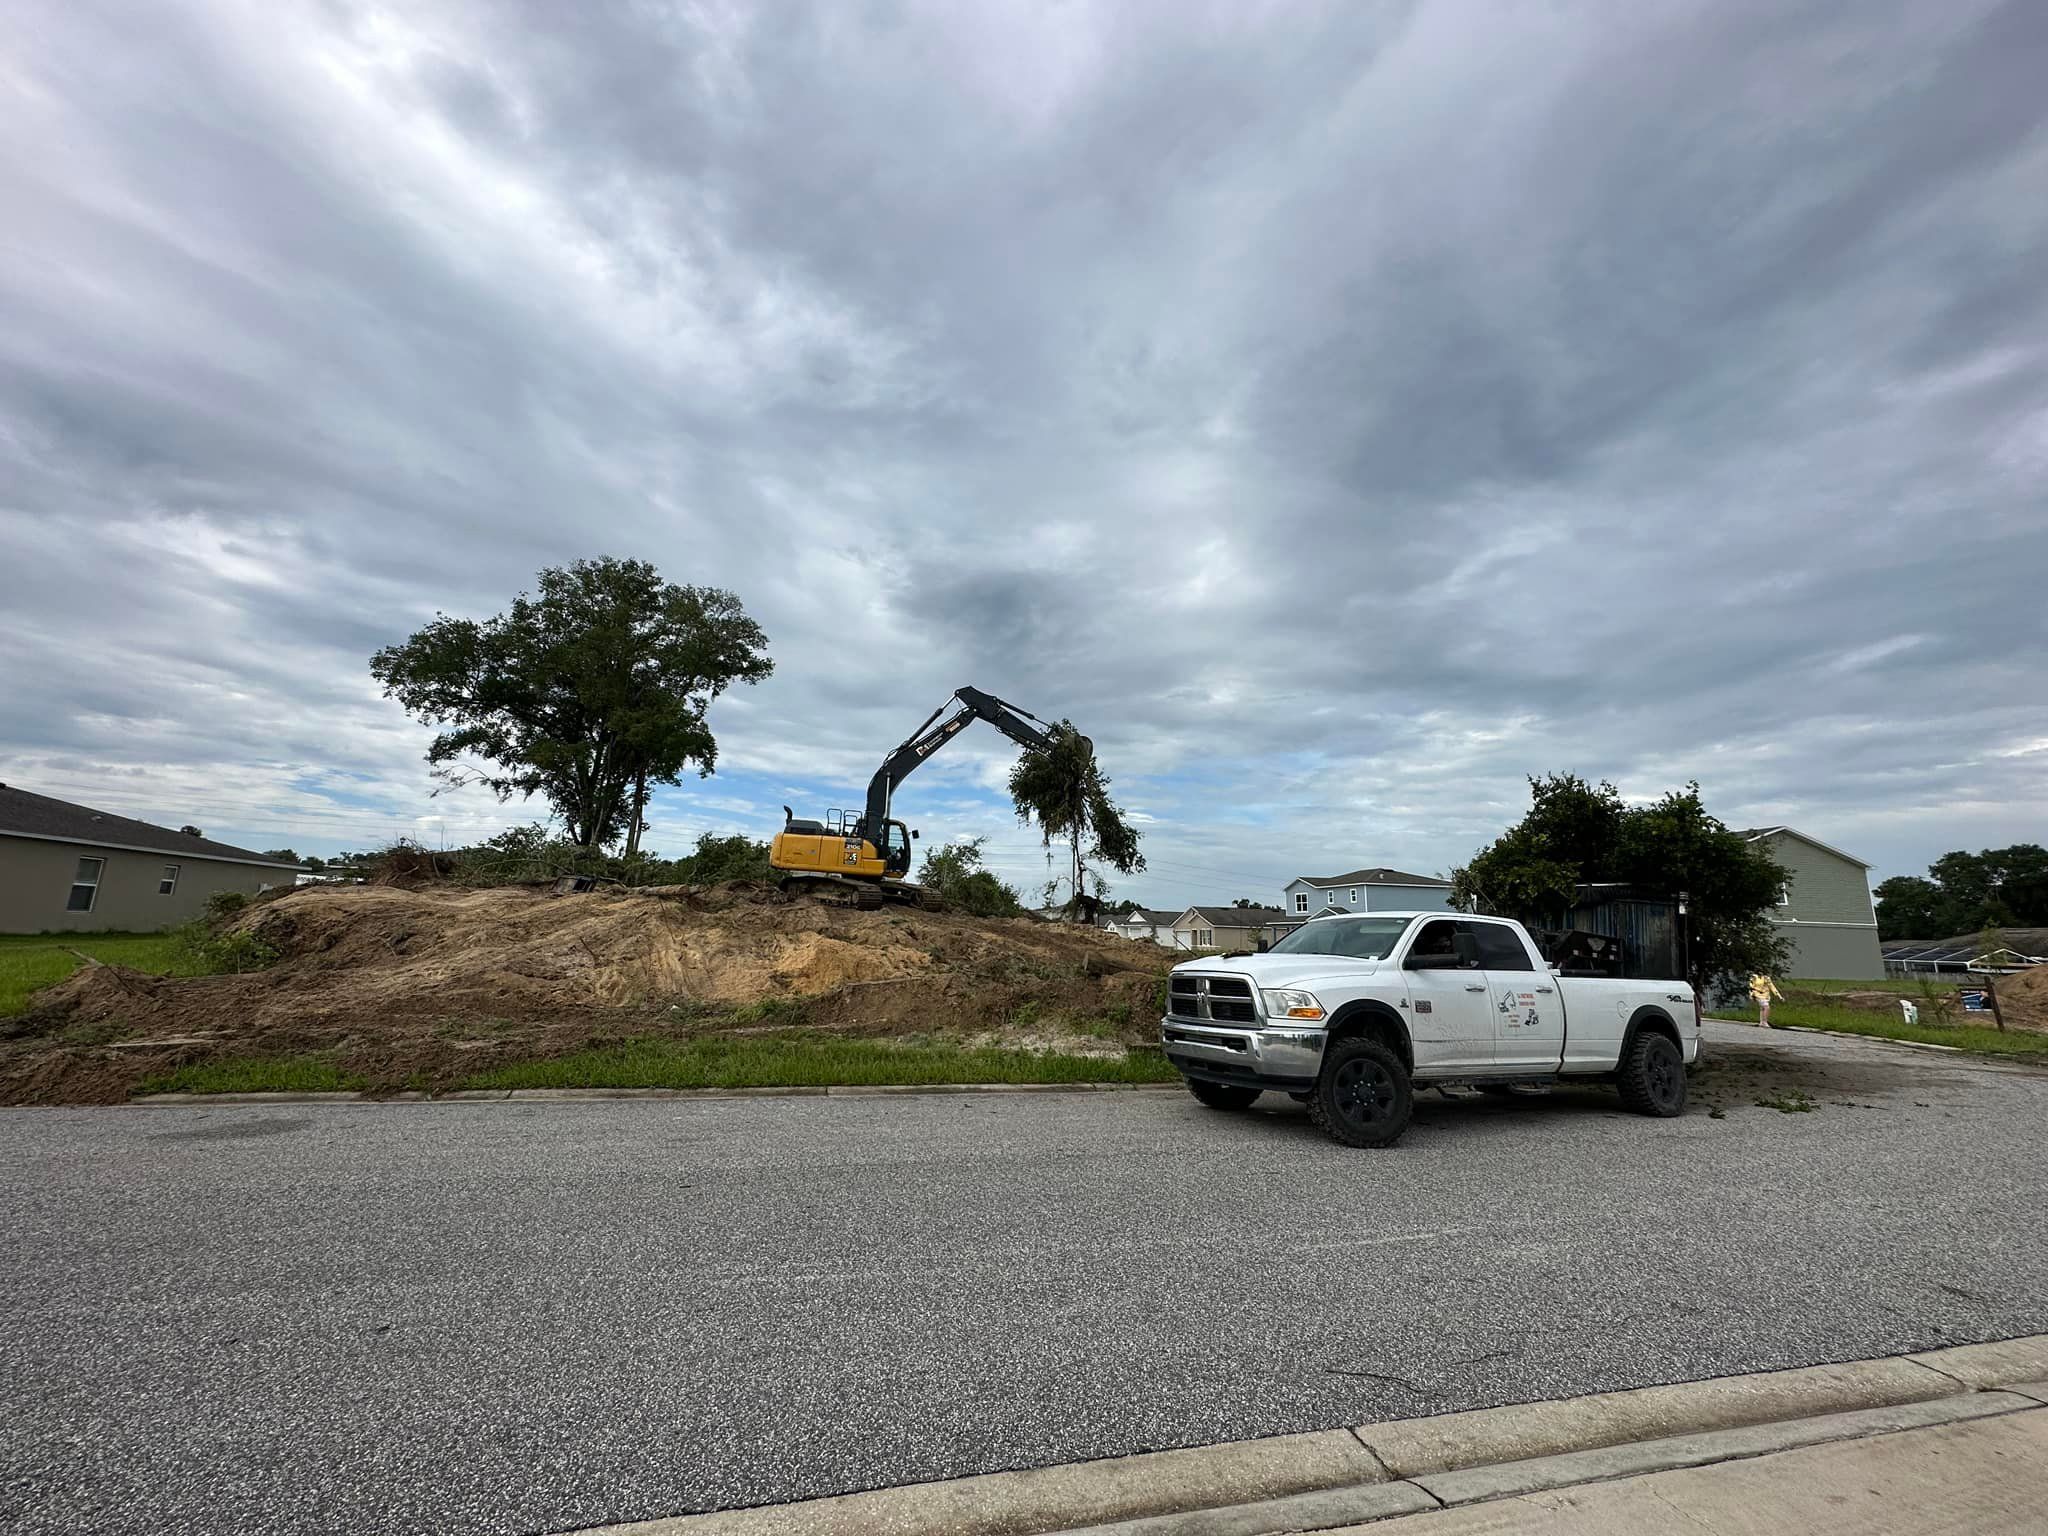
(1225, 999)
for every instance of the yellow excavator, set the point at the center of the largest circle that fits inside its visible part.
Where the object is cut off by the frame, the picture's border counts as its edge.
(863, 859)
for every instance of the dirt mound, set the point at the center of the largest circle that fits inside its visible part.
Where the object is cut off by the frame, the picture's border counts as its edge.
(2023, 998)
(421, 986)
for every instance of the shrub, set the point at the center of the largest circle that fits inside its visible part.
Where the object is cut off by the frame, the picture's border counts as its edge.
(209, 952)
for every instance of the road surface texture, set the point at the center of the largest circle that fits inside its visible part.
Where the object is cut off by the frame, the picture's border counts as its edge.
(531, 1317)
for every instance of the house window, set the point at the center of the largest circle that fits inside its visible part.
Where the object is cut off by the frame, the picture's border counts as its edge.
(1205, 938)
(169, 883)
(1354, 895)
(85, 885)
(1301, 901)
(1784, 895)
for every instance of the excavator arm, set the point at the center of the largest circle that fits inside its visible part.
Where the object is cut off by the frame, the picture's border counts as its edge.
(968, 705)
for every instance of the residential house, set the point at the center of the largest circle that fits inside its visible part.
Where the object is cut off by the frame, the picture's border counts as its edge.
(69, 868)
(1148, 924)
(1225, 928)
(1364, 890)
(1825, 910)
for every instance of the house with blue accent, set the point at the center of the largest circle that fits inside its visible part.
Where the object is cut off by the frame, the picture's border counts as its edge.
(1365, 890)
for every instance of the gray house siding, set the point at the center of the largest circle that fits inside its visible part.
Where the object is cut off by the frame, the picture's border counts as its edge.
(36, 879)
(1405, 898)
(1367, 896)
(1839, 954)
(1827, 917)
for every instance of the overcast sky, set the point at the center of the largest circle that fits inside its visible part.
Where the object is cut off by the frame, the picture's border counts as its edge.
(1340, 411)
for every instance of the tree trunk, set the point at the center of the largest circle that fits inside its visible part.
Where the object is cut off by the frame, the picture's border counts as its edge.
(639, 808)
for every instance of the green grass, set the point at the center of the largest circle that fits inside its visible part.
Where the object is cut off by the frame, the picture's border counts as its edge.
(254, 1074)
(1985, 1040)
(783, 1061)
(1902, 986)
(30, 962)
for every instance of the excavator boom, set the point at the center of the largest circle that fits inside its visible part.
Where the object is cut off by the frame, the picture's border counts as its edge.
(862, 860)
(1020, 725)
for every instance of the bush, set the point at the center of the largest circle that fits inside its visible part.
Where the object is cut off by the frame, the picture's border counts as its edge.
(528, 854)
(209, 952)
(955, 872)
(222, 905)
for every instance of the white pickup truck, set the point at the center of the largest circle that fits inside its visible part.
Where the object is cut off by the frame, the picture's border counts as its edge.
(1348, 1013)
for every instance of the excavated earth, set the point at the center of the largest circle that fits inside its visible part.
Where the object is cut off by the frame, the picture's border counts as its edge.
(420, 988)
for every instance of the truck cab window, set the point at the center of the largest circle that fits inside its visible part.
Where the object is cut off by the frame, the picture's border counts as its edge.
(1499, 948)
(1437, 938)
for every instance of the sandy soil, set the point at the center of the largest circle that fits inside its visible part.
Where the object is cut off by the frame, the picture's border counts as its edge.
(422, 987)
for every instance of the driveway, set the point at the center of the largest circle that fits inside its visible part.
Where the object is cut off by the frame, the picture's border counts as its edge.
(533, 1317)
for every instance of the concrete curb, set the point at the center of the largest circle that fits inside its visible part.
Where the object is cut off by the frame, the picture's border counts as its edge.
(575, 1095)
(1332, 1478)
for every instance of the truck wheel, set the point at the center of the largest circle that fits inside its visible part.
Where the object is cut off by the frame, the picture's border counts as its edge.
(1362, 1098)
(1652, 1076)
(1222, 1095)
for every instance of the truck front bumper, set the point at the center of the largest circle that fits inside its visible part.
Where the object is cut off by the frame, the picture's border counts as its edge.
(1251, 1056)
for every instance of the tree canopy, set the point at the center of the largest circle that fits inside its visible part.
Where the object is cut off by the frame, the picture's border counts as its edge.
(1967, 893)
(588, 694)
(955, 872)
(1064, 791)
(1577, 833)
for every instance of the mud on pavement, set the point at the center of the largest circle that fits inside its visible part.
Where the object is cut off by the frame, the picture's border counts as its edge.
(423, 987)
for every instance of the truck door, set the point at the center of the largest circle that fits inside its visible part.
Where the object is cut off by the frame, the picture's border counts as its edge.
(1449, 1013)
(1528, 1009)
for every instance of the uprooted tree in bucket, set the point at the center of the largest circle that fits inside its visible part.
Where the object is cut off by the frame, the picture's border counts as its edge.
(1062, 789)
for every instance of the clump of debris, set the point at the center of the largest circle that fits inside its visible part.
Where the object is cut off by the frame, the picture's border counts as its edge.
(423, 984)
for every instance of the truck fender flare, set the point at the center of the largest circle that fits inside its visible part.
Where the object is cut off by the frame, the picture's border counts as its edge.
(1372, 1017)
(1654, 1019)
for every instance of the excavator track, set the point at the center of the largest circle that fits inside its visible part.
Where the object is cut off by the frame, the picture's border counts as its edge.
(835, 890)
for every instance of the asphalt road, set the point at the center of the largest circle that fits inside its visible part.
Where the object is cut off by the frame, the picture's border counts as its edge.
(520, 1318)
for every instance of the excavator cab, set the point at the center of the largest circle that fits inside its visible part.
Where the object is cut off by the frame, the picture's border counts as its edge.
(861, 858)
(836, 859)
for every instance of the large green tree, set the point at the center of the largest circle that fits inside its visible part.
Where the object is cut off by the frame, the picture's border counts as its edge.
(1966, 893)
(1064, 791)
(589, 692)
(955, 871)
(1578, 833)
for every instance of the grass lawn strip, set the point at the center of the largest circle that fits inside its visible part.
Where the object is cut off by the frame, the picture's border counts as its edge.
(760, 1061)
(30, 962)
(1984, 1041)
(791, 1061)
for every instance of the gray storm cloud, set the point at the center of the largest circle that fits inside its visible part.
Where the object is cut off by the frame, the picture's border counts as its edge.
(1341, 411)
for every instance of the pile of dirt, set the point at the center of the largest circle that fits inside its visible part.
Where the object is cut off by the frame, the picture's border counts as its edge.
(423, 986)
(2023, 998)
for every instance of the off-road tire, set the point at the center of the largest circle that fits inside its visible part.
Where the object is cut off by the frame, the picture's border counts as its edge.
(1363, 1097)
(1222, 1095)
(1651, 1077)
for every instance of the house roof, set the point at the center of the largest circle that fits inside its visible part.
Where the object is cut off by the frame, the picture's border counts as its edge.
(1374, 876)
(1152, 915)
(1232, 917)
(1751, 834)
(59, 821)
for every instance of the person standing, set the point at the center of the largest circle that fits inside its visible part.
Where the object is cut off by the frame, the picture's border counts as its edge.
(1761, 990)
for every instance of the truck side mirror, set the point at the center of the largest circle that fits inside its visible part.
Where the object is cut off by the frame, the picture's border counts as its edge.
(913, 831)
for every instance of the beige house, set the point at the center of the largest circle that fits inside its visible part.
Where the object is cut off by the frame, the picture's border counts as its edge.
(68, 868)
(1225, 928)
(1824, 911)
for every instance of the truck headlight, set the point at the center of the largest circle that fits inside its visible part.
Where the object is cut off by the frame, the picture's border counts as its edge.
(1286, 1003)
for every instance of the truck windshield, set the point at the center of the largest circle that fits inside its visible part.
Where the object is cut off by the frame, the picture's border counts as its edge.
(1357, 938)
